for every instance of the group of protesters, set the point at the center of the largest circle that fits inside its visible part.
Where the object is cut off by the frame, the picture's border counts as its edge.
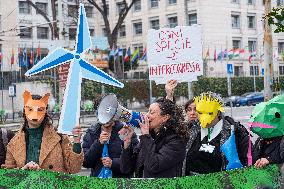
(170, 144)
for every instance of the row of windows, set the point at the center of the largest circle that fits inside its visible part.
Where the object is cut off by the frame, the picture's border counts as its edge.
(138, 26)
(236, 21)
(25, 8)
(253, 70)
(252, 2)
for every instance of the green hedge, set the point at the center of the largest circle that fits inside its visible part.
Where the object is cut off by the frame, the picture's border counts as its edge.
(139, 89)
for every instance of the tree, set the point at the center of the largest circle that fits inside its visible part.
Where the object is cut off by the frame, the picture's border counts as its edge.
(52, 24)
(276, 17)
(112, 34)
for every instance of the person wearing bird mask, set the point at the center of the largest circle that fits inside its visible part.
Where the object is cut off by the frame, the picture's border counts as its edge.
(37, 145)
(211, 145)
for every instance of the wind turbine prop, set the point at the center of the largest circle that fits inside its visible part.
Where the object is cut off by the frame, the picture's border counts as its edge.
(79, 68)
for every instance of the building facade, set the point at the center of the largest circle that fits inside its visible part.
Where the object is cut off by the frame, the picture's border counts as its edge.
(233, 27)
(228, 26)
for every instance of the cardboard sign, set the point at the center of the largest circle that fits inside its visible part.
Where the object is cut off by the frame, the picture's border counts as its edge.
(175, 53)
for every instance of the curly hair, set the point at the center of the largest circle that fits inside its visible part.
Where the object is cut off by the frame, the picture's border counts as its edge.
(176, 120)
(47, 119)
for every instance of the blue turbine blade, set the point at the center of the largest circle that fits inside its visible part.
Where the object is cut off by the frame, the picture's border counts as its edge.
(71, 104)
(92, 73)
(57, 57)
(83, 34)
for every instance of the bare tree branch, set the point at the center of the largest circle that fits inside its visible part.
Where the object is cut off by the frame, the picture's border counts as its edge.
(44, 15)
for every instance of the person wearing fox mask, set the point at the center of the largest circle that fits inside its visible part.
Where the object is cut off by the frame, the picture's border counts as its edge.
(37, 145)
(219, 143)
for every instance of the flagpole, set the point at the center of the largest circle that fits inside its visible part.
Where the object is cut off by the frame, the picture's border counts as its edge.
(122, 61)
(2, 83)
(228, 78)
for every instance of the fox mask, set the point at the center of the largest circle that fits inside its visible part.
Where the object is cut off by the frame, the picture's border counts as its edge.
(35, 110)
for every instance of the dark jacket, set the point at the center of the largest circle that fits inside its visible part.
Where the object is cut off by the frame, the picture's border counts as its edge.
(271, 149)
(10, 135)
(156, 156)
(241, 142)
(93, 150)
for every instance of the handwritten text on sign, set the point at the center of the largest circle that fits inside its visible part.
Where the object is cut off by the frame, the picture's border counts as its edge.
(173, 71)
(180, 46)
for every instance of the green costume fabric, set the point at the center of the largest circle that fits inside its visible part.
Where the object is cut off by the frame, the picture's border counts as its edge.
(269, 114)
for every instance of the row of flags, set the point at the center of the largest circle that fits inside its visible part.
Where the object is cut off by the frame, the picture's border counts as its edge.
(234, 53)
(24, 58)
(129, 57)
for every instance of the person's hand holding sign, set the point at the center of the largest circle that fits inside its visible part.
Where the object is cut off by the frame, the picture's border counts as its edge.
(170, 87)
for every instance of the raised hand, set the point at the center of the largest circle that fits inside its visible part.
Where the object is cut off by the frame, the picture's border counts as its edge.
(169, 87)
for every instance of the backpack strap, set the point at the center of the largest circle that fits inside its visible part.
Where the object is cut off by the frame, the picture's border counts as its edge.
(4, 137)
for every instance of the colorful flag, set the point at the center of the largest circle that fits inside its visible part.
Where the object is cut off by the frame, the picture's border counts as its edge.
(1, 56)
(144, 56)
(127, 55)
(215, 56)
(135, 55)
(38, 54)
(25, 57)
(253, 54)
(206, 54)
(32, 57)
(13, 57)
(220, 55)
(112, 52)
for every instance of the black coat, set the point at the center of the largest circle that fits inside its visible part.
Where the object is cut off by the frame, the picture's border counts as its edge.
(156, 156)
(93, 150)
(274, 151)
(242, 140)
(10, 135)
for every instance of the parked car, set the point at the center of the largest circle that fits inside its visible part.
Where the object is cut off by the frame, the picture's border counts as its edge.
(251, 99)
(233, 99)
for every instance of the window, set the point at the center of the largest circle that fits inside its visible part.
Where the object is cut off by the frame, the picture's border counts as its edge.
(89, 12)
(26, 32)
(250, 2)
(236, 43)
(172, 2)
(137, 28)
(192, 19)
(137, 6)
(42, 7)
(252, 46)
(122, 31)
(238, 71)
(280, 47)
(104, 32)
(72, 11)
(72, 33)
(251, 22)
(254, 70)
(154, 23)
(173, 22)
(281, 70)
(154, 3)
(24, 8)
(120, 6)
(42, 32)
(280, 2)
(92, 32)
(235, 1)
(235, 20)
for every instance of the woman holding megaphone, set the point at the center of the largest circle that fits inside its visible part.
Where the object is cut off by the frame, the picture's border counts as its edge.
(161, 150)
